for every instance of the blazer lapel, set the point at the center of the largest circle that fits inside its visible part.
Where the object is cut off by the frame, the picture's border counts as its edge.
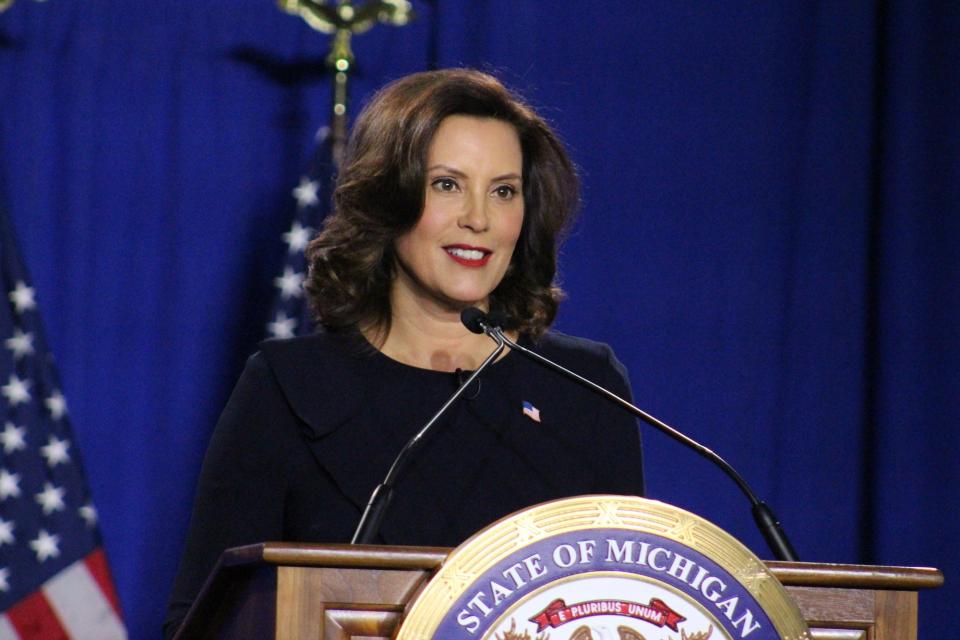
(321, 378)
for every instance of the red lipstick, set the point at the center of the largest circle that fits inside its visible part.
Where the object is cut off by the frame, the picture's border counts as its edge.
(467, 255)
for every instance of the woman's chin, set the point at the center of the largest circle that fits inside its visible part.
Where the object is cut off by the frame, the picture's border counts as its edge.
(459, 300)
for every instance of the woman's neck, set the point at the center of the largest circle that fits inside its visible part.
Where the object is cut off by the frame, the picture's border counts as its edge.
(430, 337)
(431, 342)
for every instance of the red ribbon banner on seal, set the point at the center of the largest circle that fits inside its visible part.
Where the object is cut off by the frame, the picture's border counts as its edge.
(656, 612)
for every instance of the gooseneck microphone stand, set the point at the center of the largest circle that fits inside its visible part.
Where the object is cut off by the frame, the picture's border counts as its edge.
(380, 498)
(763, 515)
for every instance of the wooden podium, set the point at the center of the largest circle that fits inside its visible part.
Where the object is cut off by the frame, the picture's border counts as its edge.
(336, 592)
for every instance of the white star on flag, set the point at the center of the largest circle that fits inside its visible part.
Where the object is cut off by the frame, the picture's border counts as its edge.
(4, 579)
(306, 192)
(282, 326)
(6, 532)
(55, 451)
(17, 391)
(45, 546)
(290, 284)
(322, 134)
(51, 498)
(12, 438)
(298, 237)
(22, 297)
(56, 404)
(9, 485)
(88, 513)
(21, 344)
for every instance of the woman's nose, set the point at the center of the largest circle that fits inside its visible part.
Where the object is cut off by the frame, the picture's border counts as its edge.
(474, 216)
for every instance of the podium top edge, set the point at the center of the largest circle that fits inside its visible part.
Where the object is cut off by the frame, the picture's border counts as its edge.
(360, 556)
(817, 574)
(811, 574)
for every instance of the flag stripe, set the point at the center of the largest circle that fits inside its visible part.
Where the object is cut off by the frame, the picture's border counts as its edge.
(78, 601)
(100, 570)
(7, 632)
(33, 618)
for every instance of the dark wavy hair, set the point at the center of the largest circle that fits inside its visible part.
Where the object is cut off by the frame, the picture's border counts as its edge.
(380, 195)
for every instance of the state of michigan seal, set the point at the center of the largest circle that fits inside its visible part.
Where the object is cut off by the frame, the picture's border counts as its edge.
(603, 568)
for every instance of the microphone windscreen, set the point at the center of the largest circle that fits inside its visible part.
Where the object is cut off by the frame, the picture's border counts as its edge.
(471, 317)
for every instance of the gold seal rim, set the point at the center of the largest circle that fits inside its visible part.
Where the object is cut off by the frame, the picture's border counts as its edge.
(488, 547)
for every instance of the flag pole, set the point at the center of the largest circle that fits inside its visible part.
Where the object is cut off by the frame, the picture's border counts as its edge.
(290, 314)
(343, 20)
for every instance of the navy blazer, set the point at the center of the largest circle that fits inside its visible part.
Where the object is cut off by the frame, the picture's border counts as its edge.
(315, 422)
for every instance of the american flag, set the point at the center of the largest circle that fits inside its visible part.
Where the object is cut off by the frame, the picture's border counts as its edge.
(54, 578)
(531, 411)
(290, 315)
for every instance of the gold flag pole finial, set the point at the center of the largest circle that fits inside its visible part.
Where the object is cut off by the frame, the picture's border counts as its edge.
(343, 20)
(6, 4)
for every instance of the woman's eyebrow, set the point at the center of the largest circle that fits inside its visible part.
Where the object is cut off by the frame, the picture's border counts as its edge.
(447, 168)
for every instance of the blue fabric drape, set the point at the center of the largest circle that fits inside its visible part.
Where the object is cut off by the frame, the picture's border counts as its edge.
(768, 238)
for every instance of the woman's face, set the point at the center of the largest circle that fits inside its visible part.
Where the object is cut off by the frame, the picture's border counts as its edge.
(460, 249)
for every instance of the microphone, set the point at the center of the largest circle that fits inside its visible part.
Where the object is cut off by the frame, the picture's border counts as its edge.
(380, 499)
(476, 321)
(763, 515)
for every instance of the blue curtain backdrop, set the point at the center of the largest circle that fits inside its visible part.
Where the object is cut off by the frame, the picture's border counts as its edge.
(769, 238)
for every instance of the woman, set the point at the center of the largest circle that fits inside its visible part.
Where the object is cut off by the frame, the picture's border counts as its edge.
(453, 193)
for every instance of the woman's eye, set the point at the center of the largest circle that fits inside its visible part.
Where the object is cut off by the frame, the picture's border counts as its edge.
(445, 184)
(505, 191)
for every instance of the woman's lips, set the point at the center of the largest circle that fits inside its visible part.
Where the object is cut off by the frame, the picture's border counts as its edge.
(468, 256)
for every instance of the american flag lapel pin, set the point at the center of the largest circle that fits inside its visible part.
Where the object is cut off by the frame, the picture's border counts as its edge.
(531, 411)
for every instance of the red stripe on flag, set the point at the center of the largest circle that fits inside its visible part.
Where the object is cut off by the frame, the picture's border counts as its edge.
(97, 566)
(34, 619)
